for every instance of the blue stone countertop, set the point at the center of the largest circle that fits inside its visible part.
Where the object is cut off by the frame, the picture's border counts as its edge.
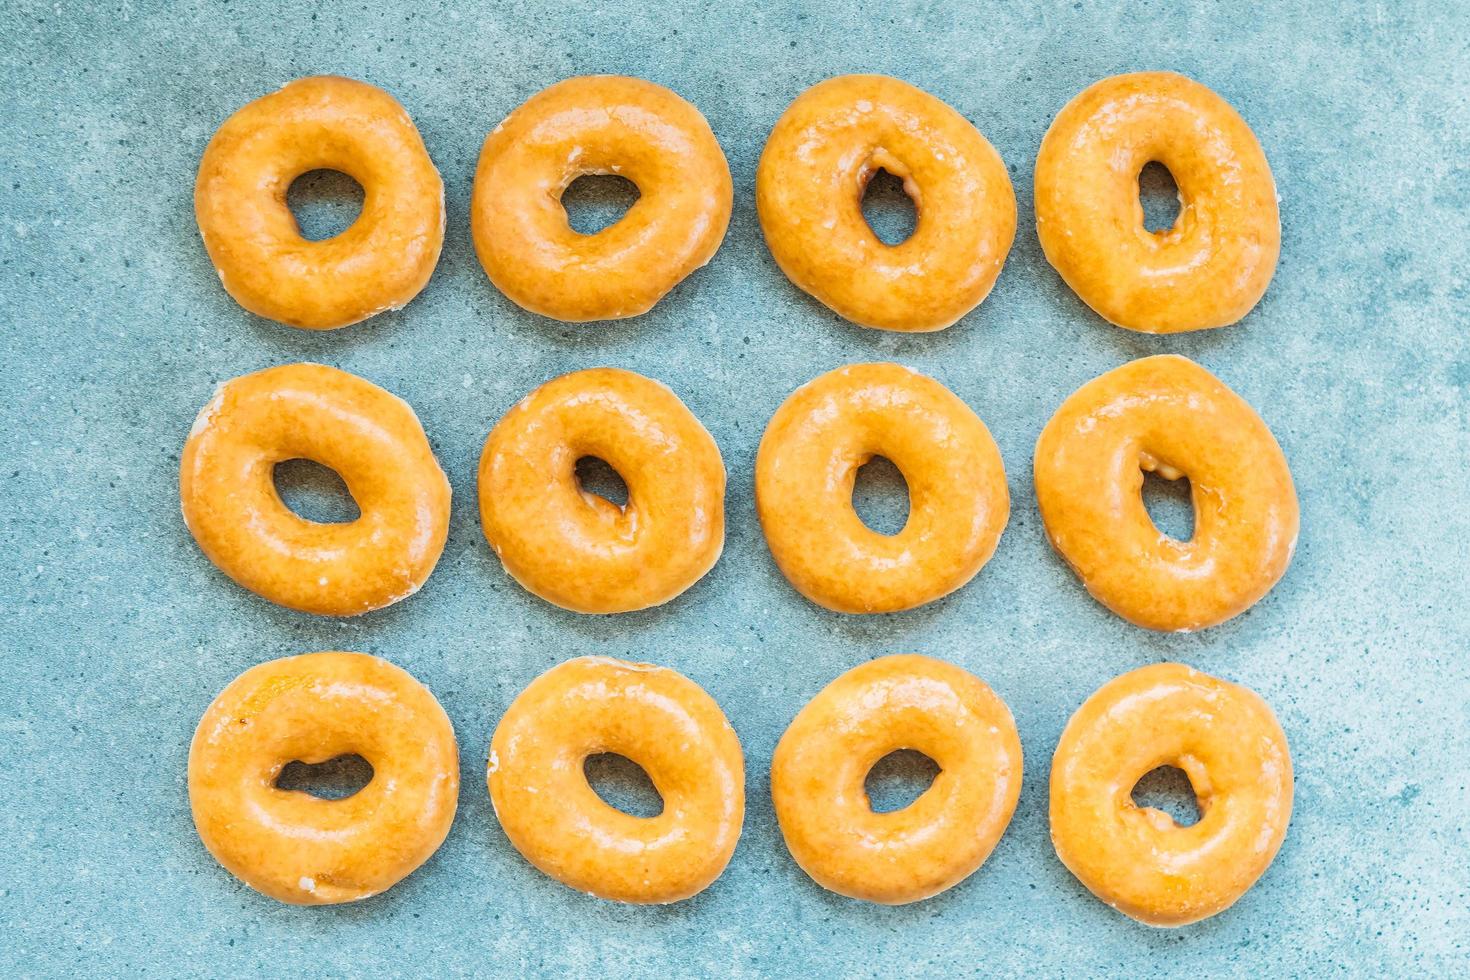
(115, 632)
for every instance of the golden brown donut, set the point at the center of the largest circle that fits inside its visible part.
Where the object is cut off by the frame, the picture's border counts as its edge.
(1166, 415)
(1214, 264)
(296, 847)
(1137, 859)
(599, 124)
(576, 549)
(809, 458)
(324, 123)
(935, 842)
(809, 190)
(657, 718)
(371, 438)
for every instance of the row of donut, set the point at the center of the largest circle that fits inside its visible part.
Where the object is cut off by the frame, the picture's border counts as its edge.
(1163, 414)
(317, 706)
(1207, 270)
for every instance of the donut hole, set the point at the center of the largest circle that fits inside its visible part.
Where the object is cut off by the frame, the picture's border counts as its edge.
(594, 202)
(622, 784)
(898, 779)
(314, 492)
(880, 495)
(335, 779)
(1168, 790)
(1159, 196)
(325, 203)
(888, 209)
(597, 477)
(1170, 505)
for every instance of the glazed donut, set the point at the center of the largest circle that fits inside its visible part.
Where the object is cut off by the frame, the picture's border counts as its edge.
(942, 837)
(599, 124)
(576, 549)
(809, 458)
(324, 123)
(1214, 264)
(809, 191)
(1166, 415)
(657, 718)
(370, 438)
(1137, 859)
(296, 847)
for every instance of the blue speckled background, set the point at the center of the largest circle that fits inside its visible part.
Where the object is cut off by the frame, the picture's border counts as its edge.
(117, 632)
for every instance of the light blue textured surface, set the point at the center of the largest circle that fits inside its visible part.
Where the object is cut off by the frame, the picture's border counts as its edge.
(117, 632)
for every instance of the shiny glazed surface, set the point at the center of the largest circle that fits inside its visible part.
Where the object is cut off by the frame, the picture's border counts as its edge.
(374, 442)
(657, 718)
(897, 702)
(1214, 264)
(321, 123)
(1169, 416)
(809, 189)
(807, 463)
(299, 848)
(1137, 859)
(599, 124)
(576, 549)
